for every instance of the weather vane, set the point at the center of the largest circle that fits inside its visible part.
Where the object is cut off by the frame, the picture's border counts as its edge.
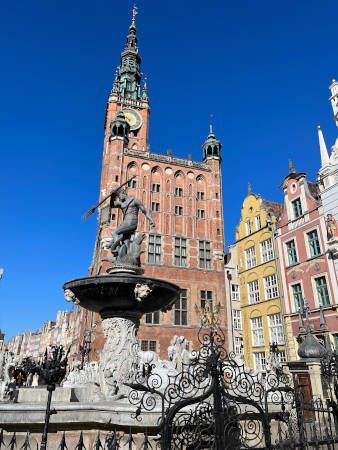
(134, 14)
(211, 116)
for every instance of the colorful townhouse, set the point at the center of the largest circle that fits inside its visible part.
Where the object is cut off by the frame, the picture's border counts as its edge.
(258, 279)
(307, 269)
(328, 182)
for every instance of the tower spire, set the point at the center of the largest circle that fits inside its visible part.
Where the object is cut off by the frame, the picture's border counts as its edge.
(291, 167)
(323, 150)
(127, 82)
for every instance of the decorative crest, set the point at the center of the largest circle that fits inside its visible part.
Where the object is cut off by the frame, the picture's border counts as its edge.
(249, 187)
(209, 315)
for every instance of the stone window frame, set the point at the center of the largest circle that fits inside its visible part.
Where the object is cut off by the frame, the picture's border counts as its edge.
(261, 360)
(178, 210)
(206, 296)
(235, 293)
(297, 208)
(200, 195)
(183, 312)
(257, 332)
(250, 260)
(155, 187)
(201, 214)
(155, 206)
(178, 191)
(267, 254)
(286, 249)
(149, 345)
(258, 222)
(238, 346)
(180, 251)
(253, 292)
(204, 254)
(154, 248)
(307, 242)
(291, 293)
(276, 328)
(315, 289)
(237, 319)
(271, 287)
(153, 318)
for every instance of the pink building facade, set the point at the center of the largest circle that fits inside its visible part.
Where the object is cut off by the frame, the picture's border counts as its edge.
(307, 270)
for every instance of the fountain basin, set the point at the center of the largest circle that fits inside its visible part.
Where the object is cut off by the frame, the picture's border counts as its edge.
(114, 295)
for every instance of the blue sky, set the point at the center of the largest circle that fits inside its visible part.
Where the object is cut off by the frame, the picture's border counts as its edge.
(261, 68)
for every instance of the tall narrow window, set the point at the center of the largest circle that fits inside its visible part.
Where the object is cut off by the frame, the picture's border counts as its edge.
(178, 192)
(322, 291)
(253, 288)
(181, 309)
(217, 214)
(297, 208)
(206, 297)
(248, 227)
(257, 332)
(153, 318)
(258, 223)
(298, 296)
(200, 195)
(271, 287)
(200, 214)
(155, 206)
(276, 329)
(204, 255)
(313, 243)
(267, 250)
(235, 292)
(178, 210)
(291, 251)
(250, 256)
(155, 187)
(237, 319)
(154, 249)
(260, 361)
(238, 345)
(132, 184)
(180, 252)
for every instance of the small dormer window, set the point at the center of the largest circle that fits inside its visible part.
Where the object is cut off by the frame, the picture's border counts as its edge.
(297, 208)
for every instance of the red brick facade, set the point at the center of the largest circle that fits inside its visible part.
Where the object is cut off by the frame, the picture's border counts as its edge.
(196, 188)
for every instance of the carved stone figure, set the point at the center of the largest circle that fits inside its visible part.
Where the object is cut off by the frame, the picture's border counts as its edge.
(119, 357)
(89, 375)
(178, 353)
(142, 291)
(331, 226)
(70, 297)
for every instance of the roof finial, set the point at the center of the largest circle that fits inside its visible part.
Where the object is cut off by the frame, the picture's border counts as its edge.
(291, 167)
(249, 187)
(134, 15)
(211, 116)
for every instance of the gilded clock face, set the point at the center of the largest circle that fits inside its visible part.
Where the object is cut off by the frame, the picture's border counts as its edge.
(134, 118)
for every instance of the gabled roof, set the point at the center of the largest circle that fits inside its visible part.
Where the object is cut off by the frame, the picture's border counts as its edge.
(277, 208)
(313, 188)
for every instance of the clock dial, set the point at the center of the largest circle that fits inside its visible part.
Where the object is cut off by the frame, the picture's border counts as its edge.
(134, 118)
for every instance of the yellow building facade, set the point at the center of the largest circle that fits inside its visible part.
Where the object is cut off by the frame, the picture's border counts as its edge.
(259, 282)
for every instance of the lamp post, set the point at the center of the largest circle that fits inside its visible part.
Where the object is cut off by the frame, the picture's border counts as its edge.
(53, 370)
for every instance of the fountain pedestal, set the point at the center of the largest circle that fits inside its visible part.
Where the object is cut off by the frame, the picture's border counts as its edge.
(121, 299)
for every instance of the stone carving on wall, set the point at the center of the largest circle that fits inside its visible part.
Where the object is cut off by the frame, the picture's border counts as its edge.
(331, 227)
(119, 357)
(7, 383)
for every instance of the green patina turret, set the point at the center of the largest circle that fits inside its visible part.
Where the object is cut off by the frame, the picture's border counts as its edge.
(128, 78)
(119, 127)
(211, 147)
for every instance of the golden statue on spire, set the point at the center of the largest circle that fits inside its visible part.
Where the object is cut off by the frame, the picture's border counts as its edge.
(134, 15)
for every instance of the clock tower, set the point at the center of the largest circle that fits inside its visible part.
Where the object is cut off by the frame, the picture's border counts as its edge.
(184, 196)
